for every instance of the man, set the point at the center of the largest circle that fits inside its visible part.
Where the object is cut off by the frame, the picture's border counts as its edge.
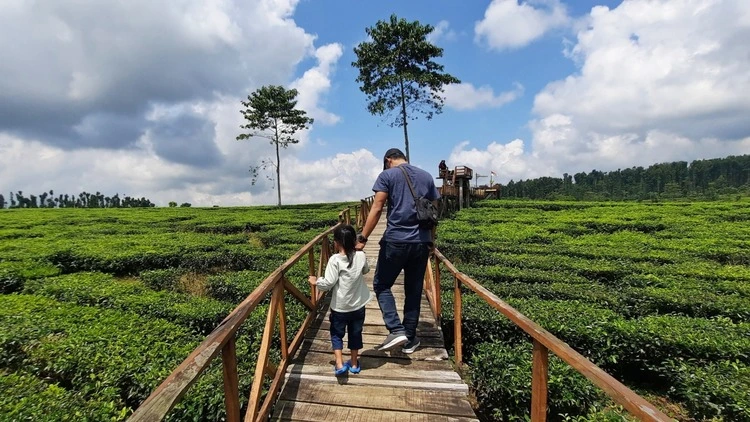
(404, 246)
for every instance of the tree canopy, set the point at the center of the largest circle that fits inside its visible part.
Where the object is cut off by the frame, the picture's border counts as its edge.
(397, 71)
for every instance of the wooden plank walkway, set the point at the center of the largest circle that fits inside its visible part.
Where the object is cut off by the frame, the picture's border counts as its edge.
(421, 386)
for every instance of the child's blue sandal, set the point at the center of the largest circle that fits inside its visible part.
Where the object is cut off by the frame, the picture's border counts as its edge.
(341, 371)
(353, 369)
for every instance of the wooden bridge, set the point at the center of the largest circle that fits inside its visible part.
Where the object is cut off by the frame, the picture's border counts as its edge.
(392, 385)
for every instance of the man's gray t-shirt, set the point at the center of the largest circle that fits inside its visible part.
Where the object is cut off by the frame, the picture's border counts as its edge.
(402, 213)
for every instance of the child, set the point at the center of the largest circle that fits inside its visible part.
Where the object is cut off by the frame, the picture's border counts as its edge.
(344, 277)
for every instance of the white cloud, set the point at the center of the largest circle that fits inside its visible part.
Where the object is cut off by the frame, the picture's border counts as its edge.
(508, 161)
(675, 65)
(508, 24)
(317, 81)
(441, 32)
(465, 96)
(652, 74)
(34, 167)
(657, 81)
(102, 64)
(143, 98)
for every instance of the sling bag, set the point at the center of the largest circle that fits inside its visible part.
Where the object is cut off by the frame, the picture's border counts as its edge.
(427, 214)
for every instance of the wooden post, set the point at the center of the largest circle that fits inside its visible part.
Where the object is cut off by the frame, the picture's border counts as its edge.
(282, 319)
(323, 259)
(458, 343)
(438, 299)
(254, 404)
(427, 285)
(231, 383)
(539, 376)
(311, 264)
(461, 196)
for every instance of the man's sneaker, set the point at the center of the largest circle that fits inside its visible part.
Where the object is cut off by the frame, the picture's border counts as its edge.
(393, 340)
(411, 346)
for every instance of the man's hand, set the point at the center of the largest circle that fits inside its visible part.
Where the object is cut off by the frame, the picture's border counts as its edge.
(361, 241)
(313, 280)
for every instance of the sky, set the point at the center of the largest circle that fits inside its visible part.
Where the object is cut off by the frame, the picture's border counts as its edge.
(142, 97)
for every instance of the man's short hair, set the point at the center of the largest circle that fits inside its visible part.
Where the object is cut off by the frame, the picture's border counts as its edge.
(392, 153)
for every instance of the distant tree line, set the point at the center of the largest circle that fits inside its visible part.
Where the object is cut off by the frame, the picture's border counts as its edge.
(700, 179)
(82, 200)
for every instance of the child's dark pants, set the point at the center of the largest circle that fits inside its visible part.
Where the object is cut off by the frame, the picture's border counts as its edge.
(343, 322)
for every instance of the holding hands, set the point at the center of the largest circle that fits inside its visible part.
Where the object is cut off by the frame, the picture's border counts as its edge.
(313, 280)
(361, 240)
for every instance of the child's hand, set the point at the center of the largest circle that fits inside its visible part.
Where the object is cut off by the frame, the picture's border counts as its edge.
(313, 280)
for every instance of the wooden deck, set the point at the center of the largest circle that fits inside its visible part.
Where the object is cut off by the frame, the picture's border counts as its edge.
(421, 386)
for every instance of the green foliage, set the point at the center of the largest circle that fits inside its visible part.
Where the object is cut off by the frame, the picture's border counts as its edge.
(77, 344)
(710, 179)
(165, 279)
(110, 355)
(234, 287)
(398, 72)
(82, 200)
(26, 397)
(501, 377)
(13, 274)
(654, 293)
(717, 390)
(101, 290)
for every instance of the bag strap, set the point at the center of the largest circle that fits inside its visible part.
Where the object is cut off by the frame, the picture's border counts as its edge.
(409, 182)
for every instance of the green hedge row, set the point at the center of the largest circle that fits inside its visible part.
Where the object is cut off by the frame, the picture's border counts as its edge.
(500, 375)
(24, 397)
(696, 300)
(102, 290)
(714, 391)
(110, 356)
(606, 337)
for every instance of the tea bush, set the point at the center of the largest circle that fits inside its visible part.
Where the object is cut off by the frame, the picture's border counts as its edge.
(98, 306)
(656, 294)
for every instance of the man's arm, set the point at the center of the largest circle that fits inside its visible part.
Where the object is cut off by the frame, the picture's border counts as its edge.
(373, 217)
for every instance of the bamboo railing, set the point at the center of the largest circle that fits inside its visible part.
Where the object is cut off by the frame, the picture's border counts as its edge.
(222, 339)
(543, 342)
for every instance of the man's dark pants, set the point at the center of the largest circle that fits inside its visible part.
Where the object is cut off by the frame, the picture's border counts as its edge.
(392, 258)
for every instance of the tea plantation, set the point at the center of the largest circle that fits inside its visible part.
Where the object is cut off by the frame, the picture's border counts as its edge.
(98, 306)
(657, 294)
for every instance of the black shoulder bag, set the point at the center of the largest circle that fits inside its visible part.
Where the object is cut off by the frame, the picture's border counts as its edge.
(427, 214)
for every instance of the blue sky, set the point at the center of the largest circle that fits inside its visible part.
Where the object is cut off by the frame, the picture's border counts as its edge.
(142, 97)
(533, 67)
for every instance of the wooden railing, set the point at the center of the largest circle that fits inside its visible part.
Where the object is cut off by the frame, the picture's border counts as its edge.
(363, 210)
(223, 340)
(345, 216)
(543, 342)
